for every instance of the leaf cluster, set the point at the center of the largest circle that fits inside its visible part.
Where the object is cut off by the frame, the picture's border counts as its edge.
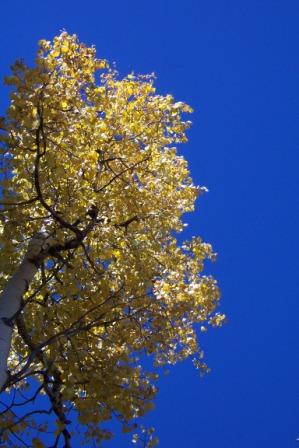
(90, 161)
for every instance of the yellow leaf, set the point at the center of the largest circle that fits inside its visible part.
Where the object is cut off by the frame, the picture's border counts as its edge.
(64, 104)
(65, 48)
(36, 443)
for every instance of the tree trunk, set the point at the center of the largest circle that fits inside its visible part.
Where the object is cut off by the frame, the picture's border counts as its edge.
(11, 297)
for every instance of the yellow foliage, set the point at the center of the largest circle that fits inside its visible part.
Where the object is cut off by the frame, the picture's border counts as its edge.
(94, 156)
(36, 443)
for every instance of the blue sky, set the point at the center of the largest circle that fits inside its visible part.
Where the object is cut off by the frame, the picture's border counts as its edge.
(236, 63)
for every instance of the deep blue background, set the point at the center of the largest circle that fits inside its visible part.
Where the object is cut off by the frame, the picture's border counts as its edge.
(236, 62)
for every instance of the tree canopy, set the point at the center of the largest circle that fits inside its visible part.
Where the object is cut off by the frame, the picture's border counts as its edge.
(90, 169)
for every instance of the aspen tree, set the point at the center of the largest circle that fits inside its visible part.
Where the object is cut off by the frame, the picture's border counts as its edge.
(92, 273)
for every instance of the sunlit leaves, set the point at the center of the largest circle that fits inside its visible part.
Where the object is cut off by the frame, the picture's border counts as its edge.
(92, 159)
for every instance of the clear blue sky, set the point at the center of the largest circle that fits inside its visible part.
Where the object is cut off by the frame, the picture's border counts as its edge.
(236, 62)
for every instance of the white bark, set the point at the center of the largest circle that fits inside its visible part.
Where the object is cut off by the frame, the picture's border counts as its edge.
(10, 299)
